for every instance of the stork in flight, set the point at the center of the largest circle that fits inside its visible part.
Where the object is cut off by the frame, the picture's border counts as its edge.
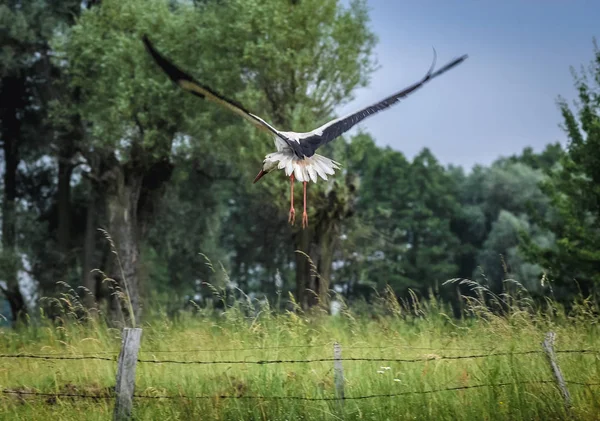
(295, 151)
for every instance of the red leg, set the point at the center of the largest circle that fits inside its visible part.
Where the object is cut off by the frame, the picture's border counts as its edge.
(304, 214)
(292, 217)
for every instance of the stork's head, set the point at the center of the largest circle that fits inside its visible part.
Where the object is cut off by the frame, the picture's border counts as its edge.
(268, 166)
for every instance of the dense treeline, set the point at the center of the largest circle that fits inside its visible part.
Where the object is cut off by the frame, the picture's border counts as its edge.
(95, 136)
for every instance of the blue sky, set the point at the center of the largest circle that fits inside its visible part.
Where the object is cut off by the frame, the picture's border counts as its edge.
(502, 99)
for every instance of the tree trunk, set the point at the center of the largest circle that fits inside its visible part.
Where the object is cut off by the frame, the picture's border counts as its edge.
(322, 250)
(89, 250)
(122, 208)
(328, 241)
(319, 242)
(11, 132)
(131, 201)
(302, 241)
(10, 255)
(65, 169)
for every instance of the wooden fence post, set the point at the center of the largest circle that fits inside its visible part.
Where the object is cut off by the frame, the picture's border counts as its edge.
(125, 386)
(548, 346)
(338, 373)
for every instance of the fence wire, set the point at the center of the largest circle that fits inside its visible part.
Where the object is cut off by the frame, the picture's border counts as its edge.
(283, 347)
(56, 357)
(254, 348)
(298, 361)
(329, 344)
(21, 393)
(315, 360)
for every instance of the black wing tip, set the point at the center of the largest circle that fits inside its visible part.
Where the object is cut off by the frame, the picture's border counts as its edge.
(149, 47)
(158, 57)
(448, 66)
(433, 62)
(173, 72)
(455, 62)
(460, 59)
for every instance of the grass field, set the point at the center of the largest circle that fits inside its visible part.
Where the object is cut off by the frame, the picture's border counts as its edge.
(416, 331)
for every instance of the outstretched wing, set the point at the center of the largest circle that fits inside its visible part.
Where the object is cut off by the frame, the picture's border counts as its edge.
(310, 141)
(188, 83)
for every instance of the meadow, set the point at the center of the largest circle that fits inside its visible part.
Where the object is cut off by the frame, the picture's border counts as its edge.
(497, 380)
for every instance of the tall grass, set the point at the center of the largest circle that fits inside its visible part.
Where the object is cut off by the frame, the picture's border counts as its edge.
(248, 330)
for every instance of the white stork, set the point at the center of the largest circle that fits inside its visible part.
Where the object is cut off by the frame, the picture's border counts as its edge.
(295, 151)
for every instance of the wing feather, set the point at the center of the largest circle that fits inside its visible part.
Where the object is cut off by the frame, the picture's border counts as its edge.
(335, 128)
(312, 173)
(188, 83)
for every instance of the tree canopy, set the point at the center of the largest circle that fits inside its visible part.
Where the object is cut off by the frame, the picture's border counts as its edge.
(572, 187)
(108, 165)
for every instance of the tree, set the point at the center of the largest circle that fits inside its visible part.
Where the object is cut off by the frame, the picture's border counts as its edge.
(290, 65)
(573, 262)
(27, 85)
(133, 118)
(404, 211)
(544, 160)
(302, 60)
(191, 221)
(500, 257)
(494, 213)
(509, 190)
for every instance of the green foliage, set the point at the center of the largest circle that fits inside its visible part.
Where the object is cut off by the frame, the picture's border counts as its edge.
(500, 257)
(304, 59)
(27, 26)
(128, 103)
(495, 213)
(405, 209)
(511, 186)
(188, 223)
(287, 59)
(383, 221)
(545, 160)
(574, 192)
(292, 67)
(296, 61)
(28, 82)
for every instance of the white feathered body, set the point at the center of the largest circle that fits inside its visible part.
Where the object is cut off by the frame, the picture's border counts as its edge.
(304, 169)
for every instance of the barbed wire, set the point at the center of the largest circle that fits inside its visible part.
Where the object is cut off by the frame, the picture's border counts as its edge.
(56, 394)
(282, 347)
(264, 362)
(577, 351)
(254, 348)
(421, 348)
(303, 398)
(349, 398)
(346, 348)
(329, 359)
(56, 357)
(299, 361)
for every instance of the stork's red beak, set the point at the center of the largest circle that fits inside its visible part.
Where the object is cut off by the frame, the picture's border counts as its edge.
(259, 176)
